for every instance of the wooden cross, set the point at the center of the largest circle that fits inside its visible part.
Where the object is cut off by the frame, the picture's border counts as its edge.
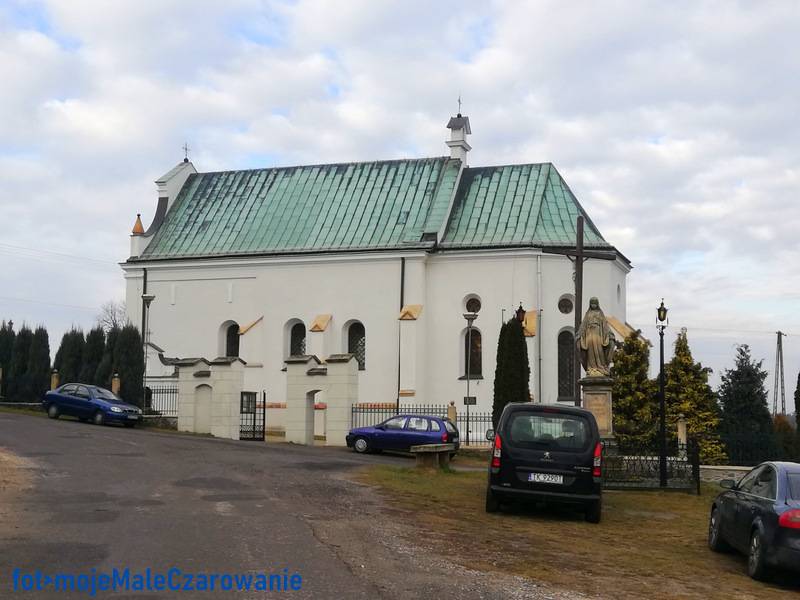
(578, 256)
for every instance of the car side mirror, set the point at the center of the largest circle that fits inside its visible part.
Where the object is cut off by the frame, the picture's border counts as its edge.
(490, 435)
(728, 484)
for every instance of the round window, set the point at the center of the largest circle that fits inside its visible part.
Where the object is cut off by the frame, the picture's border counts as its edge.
(565, 305)
(473, 305)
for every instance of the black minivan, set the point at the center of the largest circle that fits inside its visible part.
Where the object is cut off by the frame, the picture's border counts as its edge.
(546, 453)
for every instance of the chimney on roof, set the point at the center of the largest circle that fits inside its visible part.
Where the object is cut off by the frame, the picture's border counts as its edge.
(459, 130)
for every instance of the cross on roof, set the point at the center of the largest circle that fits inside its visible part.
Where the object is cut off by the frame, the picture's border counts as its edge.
(185, 149)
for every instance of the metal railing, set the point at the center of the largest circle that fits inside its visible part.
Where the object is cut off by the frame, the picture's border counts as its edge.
(161, 400)
(637, 467)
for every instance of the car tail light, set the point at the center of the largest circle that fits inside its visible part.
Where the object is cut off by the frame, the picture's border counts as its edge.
(790, 519)
(444, 437)
(598, 459)
(496, 452)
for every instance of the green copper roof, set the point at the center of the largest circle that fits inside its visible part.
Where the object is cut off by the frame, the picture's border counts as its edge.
(370, 206)
(373, 205)
(516, 205)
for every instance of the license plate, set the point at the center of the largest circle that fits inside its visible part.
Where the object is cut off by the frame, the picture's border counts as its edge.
(133, 416)
(545, 478)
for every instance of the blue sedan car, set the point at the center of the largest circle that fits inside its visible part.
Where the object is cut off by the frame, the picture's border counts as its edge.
(402, 432)
(90, 403)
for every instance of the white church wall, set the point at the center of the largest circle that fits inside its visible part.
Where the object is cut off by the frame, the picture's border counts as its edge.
(279, 290)
(501, 281)
(193, 299)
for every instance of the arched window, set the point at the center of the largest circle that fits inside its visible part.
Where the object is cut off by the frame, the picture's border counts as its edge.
(473, 366)
(566, 365)
(232, 340)
(357, 343)
(297, 340)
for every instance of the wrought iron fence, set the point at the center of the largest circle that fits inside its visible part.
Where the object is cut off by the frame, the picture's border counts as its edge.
(161, 400)
(473, 429)
(639, 467)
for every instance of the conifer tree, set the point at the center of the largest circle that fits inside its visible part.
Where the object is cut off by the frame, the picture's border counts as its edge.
(784, 438)
(129, 359)
(107, 367)
(7, 336)
(39, 364)
(687, 392)
(93, 354)
(18, 384)
(513, 371)
(634, 393)
(746, 422)
(69, 358)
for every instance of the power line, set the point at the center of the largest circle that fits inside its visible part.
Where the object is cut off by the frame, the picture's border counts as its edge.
(724, 330)
(9, 298)
(39, 254)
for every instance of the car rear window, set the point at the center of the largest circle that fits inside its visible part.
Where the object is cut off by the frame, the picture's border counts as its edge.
(450, 427)
(794, 486)
(548, 431)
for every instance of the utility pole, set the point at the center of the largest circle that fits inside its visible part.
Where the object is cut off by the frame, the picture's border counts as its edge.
(779, 377)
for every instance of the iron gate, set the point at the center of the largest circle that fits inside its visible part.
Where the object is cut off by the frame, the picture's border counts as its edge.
(252, 416)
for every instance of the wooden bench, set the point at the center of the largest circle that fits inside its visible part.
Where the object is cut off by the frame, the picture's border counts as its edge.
(433, 456)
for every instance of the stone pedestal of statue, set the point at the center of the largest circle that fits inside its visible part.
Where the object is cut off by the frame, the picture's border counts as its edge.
(597, 399)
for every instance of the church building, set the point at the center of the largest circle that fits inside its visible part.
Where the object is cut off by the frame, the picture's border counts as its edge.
(381, 259)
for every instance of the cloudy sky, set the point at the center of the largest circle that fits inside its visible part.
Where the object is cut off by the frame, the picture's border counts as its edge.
(674, 123)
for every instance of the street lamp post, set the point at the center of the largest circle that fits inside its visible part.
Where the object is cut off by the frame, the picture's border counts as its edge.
(146, 299)
(470, 317)
(661, 325)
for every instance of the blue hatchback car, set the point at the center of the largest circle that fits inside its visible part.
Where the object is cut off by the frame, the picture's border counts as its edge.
(90, 403)
(402, 432)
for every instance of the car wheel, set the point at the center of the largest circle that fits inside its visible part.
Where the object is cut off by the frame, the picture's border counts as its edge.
(756, 561)
(53, 412)
(98, 418)
(715, 541)
(594, 511)
(492, 503)
(361, 445)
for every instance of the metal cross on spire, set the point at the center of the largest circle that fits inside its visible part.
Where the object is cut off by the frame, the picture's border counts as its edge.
(459, 103)
(185, 149)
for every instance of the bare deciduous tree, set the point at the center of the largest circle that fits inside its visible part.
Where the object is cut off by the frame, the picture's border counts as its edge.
(113, 315)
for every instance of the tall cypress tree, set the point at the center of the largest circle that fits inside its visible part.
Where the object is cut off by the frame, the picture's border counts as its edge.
(746, 422)
(687, 392)
(634, 393)
(107, 366)
(129, 359)
(513, 372)
(39, 364)
(69, 358)
(18, 384)
(7, 336)
(93, 354)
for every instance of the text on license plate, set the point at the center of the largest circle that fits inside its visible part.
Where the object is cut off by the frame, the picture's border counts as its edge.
(545, 478)
(133, 416)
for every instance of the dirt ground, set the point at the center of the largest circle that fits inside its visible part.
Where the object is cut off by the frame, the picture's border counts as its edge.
(649, 544)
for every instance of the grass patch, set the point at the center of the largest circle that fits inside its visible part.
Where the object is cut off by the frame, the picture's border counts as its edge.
(649, 544)
(23, 411)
